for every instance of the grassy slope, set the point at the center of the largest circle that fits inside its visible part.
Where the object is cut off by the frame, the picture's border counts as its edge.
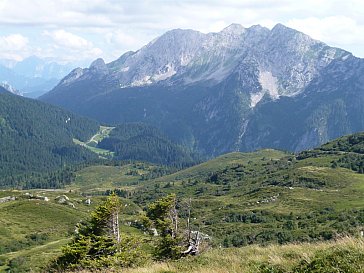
(343, 189)
(32, 231)
(221, 162)
(95, 179)
(346, 256)
(243, 181)
(22, 218)
(249, 189)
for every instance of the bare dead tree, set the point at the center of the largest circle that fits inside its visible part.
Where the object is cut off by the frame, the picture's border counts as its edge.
(189, 220)
(114, 206)
(115, 227)
(173, 216)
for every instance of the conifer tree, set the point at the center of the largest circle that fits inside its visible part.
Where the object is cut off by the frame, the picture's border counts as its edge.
(164, 218)
(97, 243)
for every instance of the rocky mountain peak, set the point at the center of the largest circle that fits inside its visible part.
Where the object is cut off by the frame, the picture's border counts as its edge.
(98, 66)
(73, 76)
(185, 56)
(233, 29)
(280, 27)
(98, 63)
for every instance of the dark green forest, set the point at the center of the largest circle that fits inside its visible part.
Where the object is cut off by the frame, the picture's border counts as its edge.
(37, 142)
(141, 142)
(37, 148)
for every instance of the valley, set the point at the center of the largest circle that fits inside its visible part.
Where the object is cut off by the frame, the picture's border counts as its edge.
(265, 197)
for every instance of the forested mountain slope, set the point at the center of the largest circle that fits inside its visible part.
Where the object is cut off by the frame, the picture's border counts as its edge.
(37, 140)
(141, 142)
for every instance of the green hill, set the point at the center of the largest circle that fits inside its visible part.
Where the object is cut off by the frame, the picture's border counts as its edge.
(351, 143)
(267, 196)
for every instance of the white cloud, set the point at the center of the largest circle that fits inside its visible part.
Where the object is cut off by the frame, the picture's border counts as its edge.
(13, 42)
(69, 47)
(339, 31)
(13, 46)
(57, 13)
(119, 37)
(2, 4)
(68, 39)
(334, 29)
(118, 26)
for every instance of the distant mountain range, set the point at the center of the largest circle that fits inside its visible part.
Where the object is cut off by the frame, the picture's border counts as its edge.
(240, 89)
(32, 76)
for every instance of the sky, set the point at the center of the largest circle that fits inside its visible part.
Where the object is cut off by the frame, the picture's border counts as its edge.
(79, 31)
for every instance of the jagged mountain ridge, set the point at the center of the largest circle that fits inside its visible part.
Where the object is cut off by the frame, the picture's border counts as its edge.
(188, 56)
(210, 90)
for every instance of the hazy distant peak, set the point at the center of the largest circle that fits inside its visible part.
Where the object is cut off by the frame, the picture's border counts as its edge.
(234, 29)
(282, 30)
(99, 67)
(180, 31)
(178, 35)
(279, 27)
(10, 88)
(97, 63)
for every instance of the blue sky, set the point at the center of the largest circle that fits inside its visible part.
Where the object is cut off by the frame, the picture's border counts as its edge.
(79, 31)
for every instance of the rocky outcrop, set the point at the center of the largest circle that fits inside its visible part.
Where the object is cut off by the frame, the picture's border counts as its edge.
(7, 199)
(35, 197)
(64, 200)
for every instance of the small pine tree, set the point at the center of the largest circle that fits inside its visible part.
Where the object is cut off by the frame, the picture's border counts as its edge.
(97, 243)
(163, 217)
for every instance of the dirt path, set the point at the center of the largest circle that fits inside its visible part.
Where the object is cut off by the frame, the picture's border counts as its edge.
(99, 133)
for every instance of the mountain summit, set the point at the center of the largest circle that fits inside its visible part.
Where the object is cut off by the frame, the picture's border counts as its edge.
(237, 89)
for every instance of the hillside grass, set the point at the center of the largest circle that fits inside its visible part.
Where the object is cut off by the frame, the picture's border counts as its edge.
(33, 231)
(266, 196)
(343, 255)
(101, 152)
(253, 198)
(99, 178)
(90, 144)
(220, 163)
(239, 199)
